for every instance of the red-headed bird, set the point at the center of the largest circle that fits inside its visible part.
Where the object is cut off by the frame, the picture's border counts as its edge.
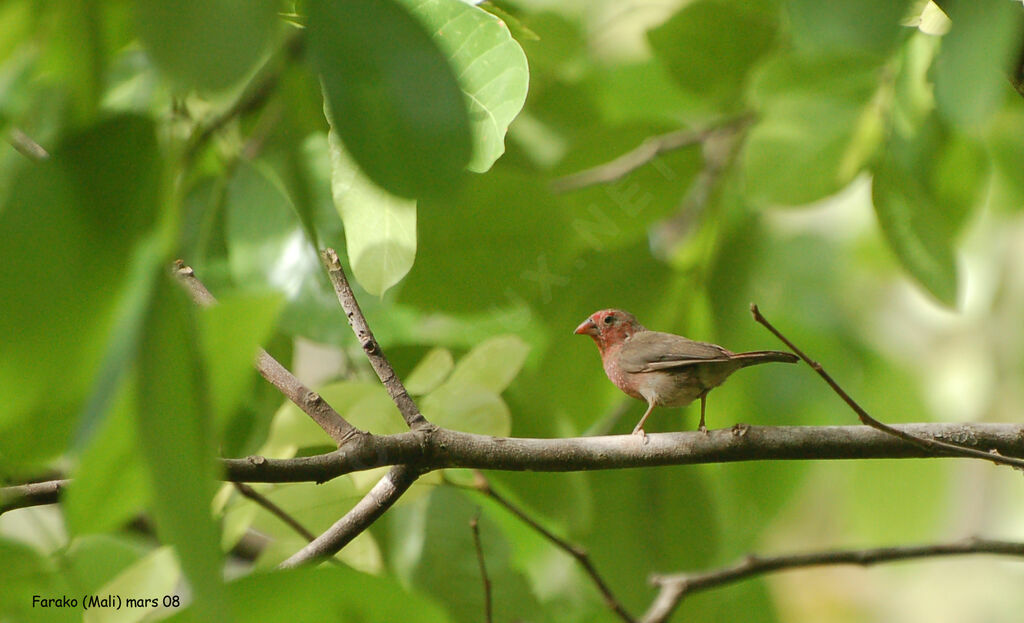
(663, 369)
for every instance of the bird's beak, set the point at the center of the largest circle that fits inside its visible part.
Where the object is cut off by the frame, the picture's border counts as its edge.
(587, 327)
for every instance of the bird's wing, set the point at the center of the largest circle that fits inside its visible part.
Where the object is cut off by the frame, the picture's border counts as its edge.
(651, 350)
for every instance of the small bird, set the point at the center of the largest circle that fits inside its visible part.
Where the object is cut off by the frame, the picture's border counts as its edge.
(661, 368)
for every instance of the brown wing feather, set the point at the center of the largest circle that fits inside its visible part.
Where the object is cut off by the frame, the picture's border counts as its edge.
(652, 350)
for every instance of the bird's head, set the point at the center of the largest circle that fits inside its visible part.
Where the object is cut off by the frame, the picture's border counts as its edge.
(609, 326)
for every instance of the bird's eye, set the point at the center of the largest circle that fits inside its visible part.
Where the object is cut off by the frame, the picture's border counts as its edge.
(609, 319)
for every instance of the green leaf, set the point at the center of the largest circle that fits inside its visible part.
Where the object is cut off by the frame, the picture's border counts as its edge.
(434, 534)
(24, 573)
(73, 224)
(392, 96)
(230, 334)
(430, 372)
(326, 593)
(868, 27)
(492, 364)
(971, 67)
(111, 462)
(711, 45)
(94, 559)
(490, 67)
(467, 408)
(380, 228)
(155, 575)
(816, 130)
(210, 44)
(905, 217)
(174, 427)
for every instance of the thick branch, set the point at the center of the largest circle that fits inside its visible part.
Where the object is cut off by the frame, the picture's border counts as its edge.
(675, 587)
(306, 399)
(445, 448)
(380, 498)
(380, 363)
(650, 149)
(32, 494)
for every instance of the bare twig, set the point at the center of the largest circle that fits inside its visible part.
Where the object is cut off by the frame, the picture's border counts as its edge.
(483, 485)
(651, 148)
(306, 399)
(380, 363)
(474, 525)
(274, 510)
(673, 588)
(31, 494)
(930, 444)
(446, 448)
(26, 146)
(374, 504)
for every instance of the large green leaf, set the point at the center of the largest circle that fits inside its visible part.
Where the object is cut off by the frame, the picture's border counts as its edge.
(711, 45)
(380, 228)
(154, 575)
(392, 96)
(816, 127)
(491, 364)
(71, 226)
(208, 44)
(174, 429)
(433, 534)
(970, 70)
(489, 65)
(868, 27)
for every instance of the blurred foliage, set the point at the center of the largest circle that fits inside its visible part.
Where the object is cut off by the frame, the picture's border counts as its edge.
(860, 178)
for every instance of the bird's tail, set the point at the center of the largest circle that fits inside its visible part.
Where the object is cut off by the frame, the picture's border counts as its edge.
(755, 357)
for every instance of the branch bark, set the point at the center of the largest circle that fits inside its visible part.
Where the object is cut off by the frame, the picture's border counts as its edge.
(380, 363)
(440, 448)
(380, 498)
(31, 494)
(336, 427)
(676, 586)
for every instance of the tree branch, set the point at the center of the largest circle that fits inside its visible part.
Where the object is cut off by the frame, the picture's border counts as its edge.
(650, 149)
(306, 399)
(474, 525)
(446, 448)
(274, 510)
(380, 363)
(934, 445)
(677, 586)
(483, 485)
(380, 498)
(31, 494)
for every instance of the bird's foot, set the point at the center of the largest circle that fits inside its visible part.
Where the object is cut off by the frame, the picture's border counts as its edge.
(639, 432)
(703, 429)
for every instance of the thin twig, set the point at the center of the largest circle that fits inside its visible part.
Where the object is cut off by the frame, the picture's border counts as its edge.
(31, 494)
(673, 588)
(396, 389)
(374, 504)
(474, 525)
(651, 148)
(933, 445)
(447, 448)
(483, 485)
(306, 399)
(274, 510)
(26, 146)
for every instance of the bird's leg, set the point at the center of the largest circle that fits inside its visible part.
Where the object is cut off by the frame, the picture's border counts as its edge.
(639, 430)
(701, 427)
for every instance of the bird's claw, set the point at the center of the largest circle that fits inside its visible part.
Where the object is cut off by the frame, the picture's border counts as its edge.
(703, 429)
(639, 432)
